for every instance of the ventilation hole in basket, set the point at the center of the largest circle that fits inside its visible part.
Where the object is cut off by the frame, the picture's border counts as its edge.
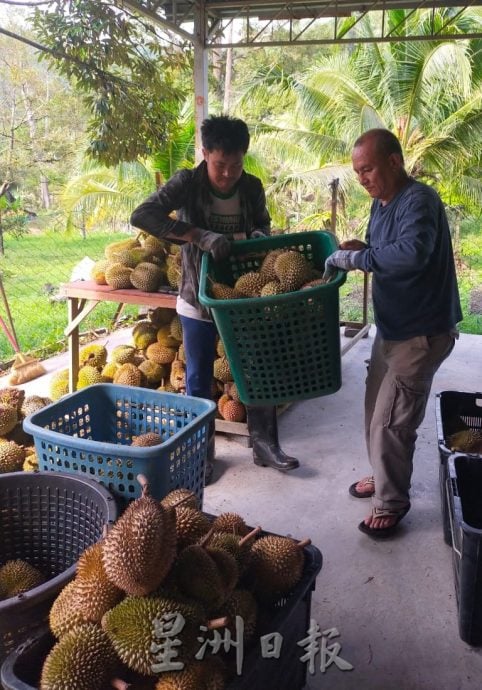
(110, 474)
(130, 476)
(100, 473)
(75, 466)
(66, 464)
(131, 489)
(121, 487)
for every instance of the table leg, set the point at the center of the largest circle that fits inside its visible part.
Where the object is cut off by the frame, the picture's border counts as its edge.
(74, 307)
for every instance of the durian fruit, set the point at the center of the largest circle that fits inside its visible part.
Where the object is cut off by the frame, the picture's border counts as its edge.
(153, 372)
(271, 288)
(173, 270)
(33, 403)
(231, 523)
(233, 410)
(83, 659)
(238, 546)
(176, 496)
(160, 353)
(276, 565)
(30, 463)
(466, 441)
(178, 375)
(250, 284)
(222, 291)
(130, 257)
(313, 283)
(129, 375)
(139, 550)
(131, 627)
(154, 245)
(18, 576)
(146, 276)
(232, 389)
(191, 525)
(59, 384)
(165, 338)
(243, 604)
(147, 440)
(118, 276)
(113, 247)
(222, 400)
(221, 352)
(8, 418)
(97, 272)
(94, 355)
(181, 353)
(206, 575)
(160, 316)
(267, 267)
(196, 675)
(222, 372)
(14, 397)
(109, 370)
(88, 376)
(144, 334)
(292, 270)
(12, 457)
(176, 328)
(123, 354)
(19, 436)
(166, 387)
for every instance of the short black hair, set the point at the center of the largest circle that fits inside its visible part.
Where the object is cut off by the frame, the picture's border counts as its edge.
(224, 133)
(386, 142)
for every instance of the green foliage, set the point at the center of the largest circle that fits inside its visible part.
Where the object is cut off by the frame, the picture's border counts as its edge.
(131, 79)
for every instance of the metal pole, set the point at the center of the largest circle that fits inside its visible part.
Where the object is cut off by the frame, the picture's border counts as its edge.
(200, 74)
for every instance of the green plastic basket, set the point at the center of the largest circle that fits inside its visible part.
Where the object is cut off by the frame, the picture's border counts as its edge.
(285, 347)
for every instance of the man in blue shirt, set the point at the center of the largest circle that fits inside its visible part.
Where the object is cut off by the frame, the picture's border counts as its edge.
(416, 305)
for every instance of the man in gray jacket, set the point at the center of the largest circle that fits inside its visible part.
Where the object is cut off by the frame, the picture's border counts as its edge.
(416, 305)
(215, 203)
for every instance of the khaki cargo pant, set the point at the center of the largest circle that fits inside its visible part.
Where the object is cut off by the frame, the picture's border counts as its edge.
(398, 384)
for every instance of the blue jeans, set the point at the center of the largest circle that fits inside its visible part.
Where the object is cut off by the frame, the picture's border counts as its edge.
(199, 339)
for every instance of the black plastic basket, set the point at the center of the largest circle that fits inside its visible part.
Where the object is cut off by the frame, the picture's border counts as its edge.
(464, 501)
(290, 617)
(47, 520)
(454, 411)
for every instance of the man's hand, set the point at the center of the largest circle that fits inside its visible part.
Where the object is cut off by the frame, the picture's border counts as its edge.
(213, 242)
(353, 244)
(341, 259)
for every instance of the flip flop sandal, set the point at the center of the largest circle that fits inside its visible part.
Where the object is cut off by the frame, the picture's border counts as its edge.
(384, 532)
(367, 481)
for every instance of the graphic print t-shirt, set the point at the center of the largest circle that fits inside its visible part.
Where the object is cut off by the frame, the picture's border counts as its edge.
(224, 218)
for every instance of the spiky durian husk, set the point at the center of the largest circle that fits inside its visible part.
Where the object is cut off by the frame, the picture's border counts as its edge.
(59, 384)
(191, 525)
(18, 576)
(12, 457)
(94, 355)
(123, 354)
(8, 418)
(83, 659)
(33, 403)
(276, 565)
(138, 551)
(131, 630)
(153, 371)
(14, 397)
(241, 603)
(144, 334)
(231, 523)
(147, 440)
(88, 375)
(188, 498)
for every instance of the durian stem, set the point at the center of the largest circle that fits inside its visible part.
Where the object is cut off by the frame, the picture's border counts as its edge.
(207, 538)
(142, 479)
(217, 623)
(302, 544)
(249, 536)
(119, 684)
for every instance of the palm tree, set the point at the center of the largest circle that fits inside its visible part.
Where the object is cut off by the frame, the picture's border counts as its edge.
(428, 93)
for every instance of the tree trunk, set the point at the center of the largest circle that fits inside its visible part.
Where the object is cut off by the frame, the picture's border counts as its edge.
(2, 248)
(44, 192)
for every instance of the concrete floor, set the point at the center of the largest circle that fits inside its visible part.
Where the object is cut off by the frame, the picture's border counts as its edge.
(393, 603)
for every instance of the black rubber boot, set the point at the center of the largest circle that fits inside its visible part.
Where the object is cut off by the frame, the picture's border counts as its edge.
(263, 431)
(211, 453)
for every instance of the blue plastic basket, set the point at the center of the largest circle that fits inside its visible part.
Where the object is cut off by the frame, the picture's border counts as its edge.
(90, 431)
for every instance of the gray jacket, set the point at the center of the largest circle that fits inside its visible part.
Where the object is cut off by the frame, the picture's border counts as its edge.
(188, 194)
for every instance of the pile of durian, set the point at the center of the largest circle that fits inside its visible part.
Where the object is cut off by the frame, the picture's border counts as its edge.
(143, 262)
(280, 271)
(155, 359)
(17, 576)
(17, 451)
(162, 560)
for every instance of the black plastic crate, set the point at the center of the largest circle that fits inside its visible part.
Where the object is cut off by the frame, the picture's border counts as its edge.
(454, 412)
(47, 520)
(290, 617)
(464, 501)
